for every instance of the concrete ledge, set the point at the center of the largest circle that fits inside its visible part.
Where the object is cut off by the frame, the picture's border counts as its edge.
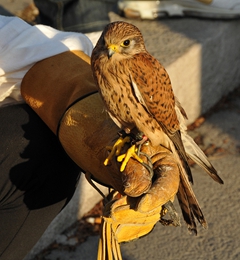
(202, 58)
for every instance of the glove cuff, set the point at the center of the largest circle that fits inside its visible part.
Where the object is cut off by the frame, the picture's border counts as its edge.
(50, 88)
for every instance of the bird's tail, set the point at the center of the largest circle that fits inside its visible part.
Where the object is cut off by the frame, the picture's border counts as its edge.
(189, 204)
(186, 197)
(190, 207)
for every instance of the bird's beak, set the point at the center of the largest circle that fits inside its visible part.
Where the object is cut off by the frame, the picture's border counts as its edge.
(112, 49)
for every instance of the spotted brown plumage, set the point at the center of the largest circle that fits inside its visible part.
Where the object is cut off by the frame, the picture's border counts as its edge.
(137, 93)
(134, 101)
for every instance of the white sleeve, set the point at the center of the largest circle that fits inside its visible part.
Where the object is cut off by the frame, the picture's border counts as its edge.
(22, 45)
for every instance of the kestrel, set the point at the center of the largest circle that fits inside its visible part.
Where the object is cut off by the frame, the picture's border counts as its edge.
(137, 94)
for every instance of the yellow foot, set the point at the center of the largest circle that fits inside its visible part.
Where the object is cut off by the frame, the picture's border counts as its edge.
(124, 158)
(116, 148)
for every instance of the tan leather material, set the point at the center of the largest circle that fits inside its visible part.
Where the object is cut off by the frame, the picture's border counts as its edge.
(166, 182)
(84, 133)
(50, 87)
(127, 218)
(140, 181)
(86, 130)
(53, 84)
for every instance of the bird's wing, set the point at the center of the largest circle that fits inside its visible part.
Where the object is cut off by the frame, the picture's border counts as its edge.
(139, 96)
(193, 151)
(198, 156)
(152, 88)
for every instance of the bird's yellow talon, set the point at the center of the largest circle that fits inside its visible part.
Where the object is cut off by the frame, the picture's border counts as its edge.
(124, 158)
(106, 162)
(116, 148)
(135, 156)
(120, 143)
(121, 157)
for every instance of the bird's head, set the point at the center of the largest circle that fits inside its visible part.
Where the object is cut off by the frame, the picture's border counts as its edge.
(120, 40)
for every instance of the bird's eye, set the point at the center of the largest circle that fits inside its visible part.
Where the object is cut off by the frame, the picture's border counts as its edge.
(125, 43)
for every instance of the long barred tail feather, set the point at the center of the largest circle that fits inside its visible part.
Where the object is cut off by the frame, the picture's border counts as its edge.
(186, 210)
(189, 204)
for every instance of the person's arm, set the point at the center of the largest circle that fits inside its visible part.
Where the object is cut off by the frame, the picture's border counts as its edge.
(61, 91)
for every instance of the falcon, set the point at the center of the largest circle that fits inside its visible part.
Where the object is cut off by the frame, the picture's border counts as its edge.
(137, 93)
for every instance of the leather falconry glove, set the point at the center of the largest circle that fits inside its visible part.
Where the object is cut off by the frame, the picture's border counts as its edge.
(127, 218)
(60, 89)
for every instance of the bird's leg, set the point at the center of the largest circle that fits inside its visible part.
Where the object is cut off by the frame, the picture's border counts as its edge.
(133, 151)
(140, 138)
(117, 147)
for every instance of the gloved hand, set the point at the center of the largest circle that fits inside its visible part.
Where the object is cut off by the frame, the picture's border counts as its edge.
(126, 218)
